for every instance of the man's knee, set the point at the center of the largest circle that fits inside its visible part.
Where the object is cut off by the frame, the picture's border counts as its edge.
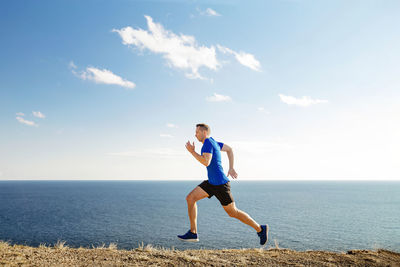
(232, 212)
(190, 199)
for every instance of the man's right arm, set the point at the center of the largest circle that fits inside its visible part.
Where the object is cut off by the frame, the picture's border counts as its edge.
(229, 151)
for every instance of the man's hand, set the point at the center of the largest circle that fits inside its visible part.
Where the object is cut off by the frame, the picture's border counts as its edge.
(232, 173)
(190, 147)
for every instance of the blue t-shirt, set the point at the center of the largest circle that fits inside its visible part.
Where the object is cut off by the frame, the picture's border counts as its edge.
(216, 175)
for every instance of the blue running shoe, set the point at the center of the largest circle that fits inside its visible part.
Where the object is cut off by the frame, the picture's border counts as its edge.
(189, 237)
(263, 234)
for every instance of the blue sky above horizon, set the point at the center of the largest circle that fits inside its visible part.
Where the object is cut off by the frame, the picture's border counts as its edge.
(113, 89)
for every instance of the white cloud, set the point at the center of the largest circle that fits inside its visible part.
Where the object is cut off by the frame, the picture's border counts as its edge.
(166, 135)
(208, 12)
(101, 76)
(105, 76)
(211, 12)
(26, 122)
(243, 58)
(302, 102)
(151, 152)
(260, 147)
(38, 114)
(72, 65)
(20, 114)
(181, 51)
(195, 76)
(171, 125)
(219, 98)
(1, 173)
(262, 109)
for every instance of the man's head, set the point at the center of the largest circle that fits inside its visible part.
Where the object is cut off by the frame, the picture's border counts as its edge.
(202, 131)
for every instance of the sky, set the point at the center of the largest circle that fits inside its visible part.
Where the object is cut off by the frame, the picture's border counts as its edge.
(112, 90)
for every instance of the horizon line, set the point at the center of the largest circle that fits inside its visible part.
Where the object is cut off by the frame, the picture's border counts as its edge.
(152, 179)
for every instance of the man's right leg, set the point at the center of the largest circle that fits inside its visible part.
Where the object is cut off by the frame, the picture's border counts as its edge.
(191, 199)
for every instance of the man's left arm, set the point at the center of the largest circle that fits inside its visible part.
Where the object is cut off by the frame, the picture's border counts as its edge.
(204, 159)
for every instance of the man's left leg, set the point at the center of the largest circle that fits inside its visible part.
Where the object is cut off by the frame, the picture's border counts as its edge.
(225, 197)
(262, 230)
(241, 215)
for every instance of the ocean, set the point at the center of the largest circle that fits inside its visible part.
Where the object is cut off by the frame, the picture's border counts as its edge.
(302, 215)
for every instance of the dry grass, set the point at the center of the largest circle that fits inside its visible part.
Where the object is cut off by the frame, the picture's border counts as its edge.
(276, 244)
(148, 255)
(112, 246)
(60, 244)
(4, 244)
(42, 245)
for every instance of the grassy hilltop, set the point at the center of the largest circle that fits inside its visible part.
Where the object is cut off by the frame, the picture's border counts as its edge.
(62, 255)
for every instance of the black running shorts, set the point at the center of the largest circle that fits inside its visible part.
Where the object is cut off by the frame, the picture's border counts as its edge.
(222, 192)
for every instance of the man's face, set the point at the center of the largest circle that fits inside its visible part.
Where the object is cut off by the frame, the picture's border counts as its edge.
(200, 134)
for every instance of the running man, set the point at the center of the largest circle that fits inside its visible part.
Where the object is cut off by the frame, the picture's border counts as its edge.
(217, 184)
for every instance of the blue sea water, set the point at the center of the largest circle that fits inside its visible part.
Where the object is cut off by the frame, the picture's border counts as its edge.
(302, 215)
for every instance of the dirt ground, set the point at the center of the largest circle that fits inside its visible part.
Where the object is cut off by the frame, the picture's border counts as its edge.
(62, 255)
